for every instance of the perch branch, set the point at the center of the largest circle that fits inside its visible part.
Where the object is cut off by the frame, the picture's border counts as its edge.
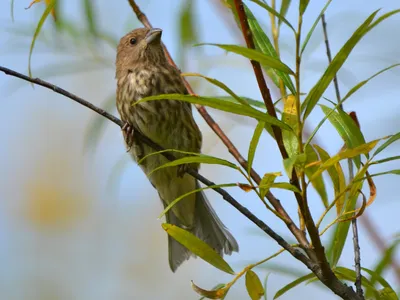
(299, 235)
(225, 195)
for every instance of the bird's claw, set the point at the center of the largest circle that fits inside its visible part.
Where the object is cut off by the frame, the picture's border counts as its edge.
(182, 169)
(129, 134)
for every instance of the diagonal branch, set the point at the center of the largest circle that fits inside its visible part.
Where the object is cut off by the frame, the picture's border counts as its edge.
(225, 195)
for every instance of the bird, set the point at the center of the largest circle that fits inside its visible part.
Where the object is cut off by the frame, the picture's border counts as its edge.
(142, 70)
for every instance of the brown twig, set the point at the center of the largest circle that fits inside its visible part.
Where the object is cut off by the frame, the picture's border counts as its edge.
(357, 259)
(299, 235)
(225, 195)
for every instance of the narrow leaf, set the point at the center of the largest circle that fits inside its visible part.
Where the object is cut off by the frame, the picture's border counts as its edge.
(254, 286)
(39, 26)
(309, 34)
(280, 17)
(284, 8)
(303, 6)
(377, 277)
(201, 159)
(390, 141)
(320, 87)
(266, 182)
(293, 284)
(219, 84)
(198, 247)
(285, 186)
(254, 144)
(255, 55)
(216, 293)
(290, 117)
(221, 105)
(347, 129)
(250, 101)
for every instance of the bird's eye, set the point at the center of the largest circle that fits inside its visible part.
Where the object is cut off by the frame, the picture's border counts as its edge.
(132, 41)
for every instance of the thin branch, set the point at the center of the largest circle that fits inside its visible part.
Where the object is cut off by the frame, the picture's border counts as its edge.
(299, 235)
(329, 55)
(225, 195)
(357, 259)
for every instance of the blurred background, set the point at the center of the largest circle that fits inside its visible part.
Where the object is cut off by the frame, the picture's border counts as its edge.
(78, 219)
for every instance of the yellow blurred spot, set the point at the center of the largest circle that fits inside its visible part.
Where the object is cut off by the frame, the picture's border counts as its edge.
(53, 12)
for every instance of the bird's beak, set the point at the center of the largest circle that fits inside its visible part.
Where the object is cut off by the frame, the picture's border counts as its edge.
(153, 35)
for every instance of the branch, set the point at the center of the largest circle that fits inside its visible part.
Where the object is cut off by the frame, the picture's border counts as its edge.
(298, 234)
(327, 276)
(357, 259)
(225, 195)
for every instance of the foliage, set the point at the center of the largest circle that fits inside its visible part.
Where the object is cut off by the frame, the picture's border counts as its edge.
(305, 160)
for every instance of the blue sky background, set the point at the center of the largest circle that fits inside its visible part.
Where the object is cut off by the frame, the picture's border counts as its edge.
(78, 224)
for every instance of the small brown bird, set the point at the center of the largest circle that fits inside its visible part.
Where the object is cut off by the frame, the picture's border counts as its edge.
(143, 70)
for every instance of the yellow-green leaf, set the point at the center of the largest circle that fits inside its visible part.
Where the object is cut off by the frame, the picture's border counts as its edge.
(337, 176)
(219, 84)
(254, 286)
(303, 6)
(255, 55)
(289, 116)
(347, 129)
(200, 159)
(285, 186)
(317, 180)
(198, 247)
(253, 145)
(320, 87)
(390, 141)
(291, 162)
(39, 26)
(221, 105)
(218, 292)
(266, 182)
(293, 284)
(348, 153)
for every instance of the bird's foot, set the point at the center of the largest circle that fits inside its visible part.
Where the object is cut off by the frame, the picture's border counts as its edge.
(182, 169)
(129, 134)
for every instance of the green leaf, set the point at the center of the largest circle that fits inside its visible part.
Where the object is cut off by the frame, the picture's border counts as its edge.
(265, 287)
(317, 181)
(250, 101)
(394, 172)
(187, 24)
(291, 162)
(364, 82)
(303, 6)
(337, 176)
(309, 34)
(293, 284)
(254, 286)
(266, 182)
(195, 191)
(264, 45)
(39, 26)
(90, 17)
(285, 186)
(375, 276)
(219, 84)
(221, 105)
(280, 17)
(320, 87)
(254, 144)
(385, 160)
(387, 294)
(255, 55)
(347, 129)
(390, 141)
(198, 247)
(284, 8)
(218, 292)
(349, 153)
(336, 246)
(200, 159)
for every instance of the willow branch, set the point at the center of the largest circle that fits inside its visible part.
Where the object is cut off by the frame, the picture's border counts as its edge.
(299, 235)
(225, 195)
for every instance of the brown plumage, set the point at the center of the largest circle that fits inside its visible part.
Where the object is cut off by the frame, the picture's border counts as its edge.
(143, 70)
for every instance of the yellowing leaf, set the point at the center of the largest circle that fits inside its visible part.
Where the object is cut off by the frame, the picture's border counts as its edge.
(254, 286)
(266, 182)
(213, 294)
(289, 117)
(198, 247)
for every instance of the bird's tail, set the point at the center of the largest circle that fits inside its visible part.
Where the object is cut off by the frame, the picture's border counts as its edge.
(208, 227)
